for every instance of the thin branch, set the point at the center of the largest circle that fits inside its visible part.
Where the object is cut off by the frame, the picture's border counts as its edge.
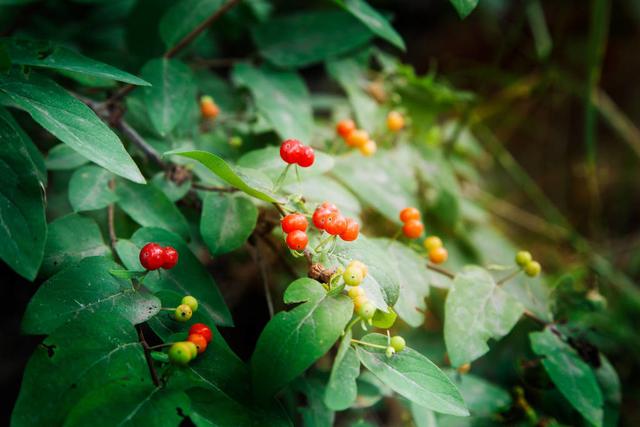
(132, 135)
(147, 356)
(508, 277)
(441, 270)
(280, 208)
(219, 189)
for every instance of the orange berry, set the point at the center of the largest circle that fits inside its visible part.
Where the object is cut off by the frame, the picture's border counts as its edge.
(369, 148)
(408, 214)
(413, 228)
(438, 255)
(345, 127)
(357, 138)
(395, 121)
(208, 108)
(199, 341)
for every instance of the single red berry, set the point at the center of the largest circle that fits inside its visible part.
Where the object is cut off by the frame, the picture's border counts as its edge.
(407, 214)
(297, 240)
(351, 230)
(294, 222)
(320, 217)
(329, 206)
(289, 150)
(200, 342)
(345, 127)
(170, 257)
(335, 224)
(413, 228)
(202, 329)
(152, 256)
(306, 156)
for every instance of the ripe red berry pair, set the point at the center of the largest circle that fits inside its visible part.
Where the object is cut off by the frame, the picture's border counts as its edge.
(295, 227)
(294, 151)
(412, 227)
(153, 256)
(327, 217)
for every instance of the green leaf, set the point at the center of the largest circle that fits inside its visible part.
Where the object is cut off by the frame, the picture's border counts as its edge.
(481, 397)
(46, 54)
(63, 157)
(422, 416)
(122, 404)
(315, 413)
(34, 152)
(86, 287)
(281, 97)
(183, 17)
(267, 160)
(226, 222)
(156, 211)
(377, 23)
(293, 340)
(22, 208)
(342, 389)
(609, 383)
(70, 121)
(70, 239)
(188, 277)
(571, 375)
(464, 7)
(76, 358)
(413, 376)
(305, 38)
(248, 180)
(89, 189)
(476, 310)
(173, 191)
(173, 90)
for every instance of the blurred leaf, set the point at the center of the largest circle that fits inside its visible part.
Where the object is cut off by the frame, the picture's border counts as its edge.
(173, 191)
(611, 391)
(63, 157)
(59, 299)
(281, 96)
(315, 413)
(378, 24)
(422, 416)
(342, 389)
(464, 7)
(481, 397)
(183, 17)
(69, 120)
(226, 222)
(89, 189)
(305, 38)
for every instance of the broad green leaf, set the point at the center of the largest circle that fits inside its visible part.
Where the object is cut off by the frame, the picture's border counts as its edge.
(319, 188)
(173, 89)
(381, 284)
(188, 277)
(476, 310)
(226, 222)
(46, 54)
(305, 38)
(464, 7)
(76, 358)
(413, 278)
(156, 211)
(86, 287)
(267, 160)
(377, 23)
(122, 404)
(609, 383)
(89, 189)
(413, 376)
(173, 191)
(250, 181)
(281, 97)
(293, 340)
(70, 239)
(183, 17)
(571, 375)
(63, 157)
(481, 397)
(70, 121)
(351, 77)
(22, 208)
(34, 152)
(342, 389)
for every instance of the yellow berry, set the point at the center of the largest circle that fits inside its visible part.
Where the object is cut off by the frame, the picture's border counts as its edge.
(355, 292)
(463, 369)
(395, 121)
(369, 148)
(432, 242)
(193, 348)
(357, 138)
(361, 265)
(523, 258)
(398, 343)
(183, 313)
(353, 275)
(191, 302)
(532, 269)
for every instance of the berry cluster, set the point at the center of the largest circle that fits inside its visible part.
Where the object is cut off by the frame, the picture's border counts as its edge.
(412, 227)
(437, 253)
(357, 138)
(531, 267)
(395, 121)
(353, 275)
(396, 345)
(208, 108)
(327, 217)
(185, 310)
(293, 151)
(153, 256)
(183, 352)
(295, 226)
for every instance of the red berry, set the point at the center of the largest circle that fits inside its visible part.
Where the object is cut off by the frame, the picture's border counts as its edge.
(408, 214)
(320, 217)
(170, 258)
(413, 228)
(351, 230)
(289, 150)
(199, 340)
(329, 206)
(297, 240)
(305, 156)
(202, 329)
(152, 256)
(294, 222)
(335, 224)
(345, 127)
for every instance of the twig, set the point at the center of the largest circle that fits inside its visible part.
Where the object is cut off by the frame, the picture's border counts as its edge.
(441, 270)
(147, 356)
(280, 208)
(508, 277)
(133, 136)
(219, 189)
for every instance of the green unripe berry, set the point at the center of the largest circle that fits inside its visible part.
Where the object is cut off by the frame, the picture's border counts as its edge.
(523, 258)
(366, 311)
(191, 302)
(353, 275)
(532, 269)
(390, 351)
(398, 343)
(183, 313)
(193, 348)
(180, 353)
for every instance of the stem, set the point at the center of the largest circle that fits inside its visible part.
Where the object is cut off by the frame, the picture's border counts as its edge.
(352, 323)
(280, 208)
(323, 242)
(508, 277)
(167, 344)
(147, 356)
(219, 189)
(441, 270)
(281, 178)
(368, 344)
(133, 136)
(265, 278)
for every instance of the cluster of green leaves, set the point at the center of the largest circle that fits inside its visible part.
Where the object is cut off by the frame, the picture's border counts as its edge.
(91, 367)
